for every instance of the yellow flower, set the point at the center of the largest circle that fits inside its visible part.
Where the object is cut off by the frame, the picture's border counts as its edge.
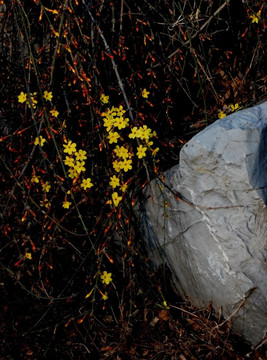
(35, 179)
(86, 184)
(22, 97)
(114, 181)
(66, 204)
(221, 115)
(113, 137)
(117, 165)
(104, 296)
(45, 203)
(120, 111)
(69, 161)
(79, 166)
(120, 122)
(134, 133)
(70, 147)
(72, 173)
(234, 107)
(154, 152)
(126, 164)
(108, 122)
(106, 277)
(144, 133)
(141, 151)
(46, 187)
(121, 151)
(165, 305)
(81, 155)
(145, 93)
(123, 187)
(116, 199)
(255, 18)
(104, 99)
(48, 95)
(39, 141)
(54, 113)
(28, 255)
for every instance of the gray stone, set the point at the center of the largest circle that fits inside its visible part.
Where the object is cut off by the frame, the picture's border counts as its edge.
(207, 220)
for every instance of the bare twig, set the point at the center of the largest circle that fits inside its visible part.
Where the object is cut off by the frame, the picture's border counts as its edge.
(202, 27)
(115, 67)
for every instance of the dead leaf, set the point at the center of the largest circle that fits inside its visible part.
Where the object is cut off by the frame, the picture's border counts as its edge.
(154, 321)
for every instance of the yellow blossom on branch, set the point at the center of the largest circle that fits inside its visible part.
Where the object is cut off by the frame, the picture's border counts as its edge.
(221, 115)
(54, 113)
(141, 151)
(22, 97)
(114, 181)
(46, 187)
(104, 296)
(39, 141)
(134, 132)
(69, 161)
(121, 152)
(35, 179)
(108, 123)
(116, 198)
(145, 93)
(117, 165)
(123, 187)
(104, 98)
(126, 165)
(121, 123)
(165, 305)
(144, 133)
(255, 18)
(28, 255)
(120, 111)
(154, 151)
(70, 147)
(86, 183)
(234, 107)
(72, 173)
(106, 277)
(79, 166)
(81, 155)
(113, 137)
(45, 203)
(66, 204)
(48, 95)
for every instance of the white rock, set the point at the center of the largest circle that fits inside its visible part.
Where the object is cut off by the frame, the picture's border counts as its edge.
(215, 241)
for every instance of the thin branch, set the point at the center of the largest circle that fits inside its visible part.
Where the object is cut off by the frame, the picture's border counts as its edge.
(202, 27)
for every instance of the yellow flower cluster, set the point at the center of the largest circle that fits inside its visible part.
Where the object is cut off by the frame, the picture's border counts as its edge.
(76, 163)
(22, 98)
(228, 109)
(48, 95)
(114, 119)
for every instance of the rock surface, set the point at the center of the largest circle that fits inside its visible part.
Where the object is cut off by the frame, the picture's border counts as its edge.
(207, 220)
